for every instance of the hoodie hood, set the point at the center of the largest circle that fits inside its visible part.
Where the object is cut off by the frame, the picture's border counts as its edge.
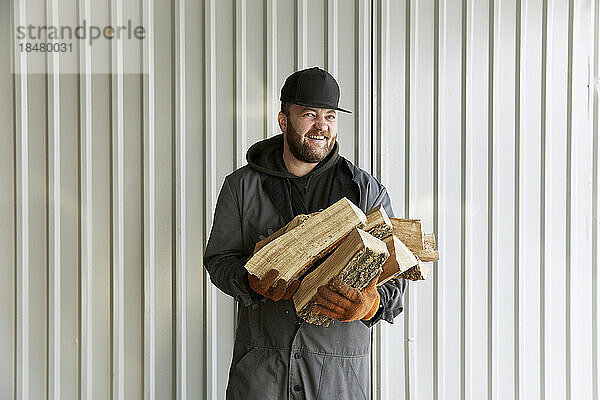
(267, 156)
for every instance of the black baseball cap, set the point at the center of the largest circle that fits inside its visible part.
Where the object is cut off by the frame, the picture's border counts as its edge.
(312, 87)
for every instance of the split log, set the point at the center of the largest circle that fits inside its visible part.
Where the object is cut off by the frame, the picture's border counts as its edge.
(378, 223)
(401, 259)
(356, 262)
(292, 253)
(410, 232)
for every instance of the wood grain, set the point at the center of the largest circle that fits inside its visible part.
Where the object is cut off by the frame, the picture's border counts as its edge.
(295, 251)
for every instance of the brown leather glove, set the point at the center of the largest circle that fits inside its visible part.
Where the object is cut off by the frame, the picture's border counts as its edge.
(281, 291)
(343, 302)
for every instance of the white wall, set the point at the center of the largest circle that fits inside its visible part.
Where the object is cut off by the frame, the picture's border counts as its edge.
(481, 118)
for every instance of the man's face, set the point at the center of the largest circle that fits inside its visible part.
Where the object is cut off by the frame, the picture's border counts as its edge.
(310, 132)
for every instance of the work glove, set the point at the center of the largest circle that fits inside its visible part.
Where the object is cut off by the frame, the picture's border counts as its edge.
(265, 287)
(343, 302)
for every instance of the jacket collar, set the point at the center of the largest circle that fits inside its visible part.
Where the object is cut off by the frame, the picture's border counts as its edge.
(344, 185)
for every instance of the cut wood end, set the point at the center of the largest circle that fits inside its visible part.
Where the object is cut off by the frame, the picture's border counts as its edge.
(370, 241)
(417, 273)
(359, 272)
(357, 252)
(378, 223)
(429, 241)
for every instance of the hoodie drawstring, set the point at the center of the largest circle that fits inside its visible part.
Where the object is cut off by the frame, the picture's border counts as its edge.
(307, 183)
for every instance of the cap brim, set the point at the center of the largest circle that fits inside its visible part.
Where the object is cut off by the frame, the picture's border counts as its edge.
(342, 110)
(318, 106)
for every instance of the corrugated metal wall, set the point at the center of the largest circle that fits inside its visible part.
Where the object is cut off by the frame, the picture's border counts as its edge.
(480, 116)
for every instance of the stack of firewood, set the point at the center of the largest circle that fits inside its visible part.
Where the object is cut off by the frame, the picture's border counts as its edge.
(342, 241)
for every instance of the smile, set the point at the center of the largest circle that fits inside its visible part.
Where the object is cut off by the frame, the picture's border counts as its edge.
(316, 137)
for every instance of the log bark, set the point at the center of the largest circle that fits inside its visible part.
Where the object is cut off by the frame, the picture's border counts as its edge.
(356, 262)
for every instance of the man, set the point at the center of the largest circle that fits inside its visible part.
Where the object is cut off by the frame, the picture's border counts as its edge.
(276, 355)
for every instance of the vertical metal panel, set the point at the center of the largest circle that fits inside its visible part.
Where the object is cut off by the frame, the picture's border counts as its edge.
(194, 189)
(85, 210)
(102, 220)
(133, 255)
(54, 214)
(449, 201)
(37, 213)
(149, 220)
(260, 79)
(210, 195)
(271, 60)
(555, 201)
(69, 214)
(380, 381)
(314, 32)
(21, 213)
(284, 45)
(580, 133)
(346, 53)
(517, 205)
(241, 134)
(596, 206)
(529, 200)
(475, 90)
(165, 201)
(490, 194)
(394, 102)
(117, 210)
(362, 133)
(568, 206)
(420, 187)
(436, 137)
(180, 195)
(503, 195)
(7, 204)
(332, 33)
(543, 241)
(301, 34)
(465, 317)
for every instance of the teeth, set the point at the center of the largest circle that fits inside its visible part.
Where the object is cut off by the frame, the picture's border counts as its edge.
(317, 137)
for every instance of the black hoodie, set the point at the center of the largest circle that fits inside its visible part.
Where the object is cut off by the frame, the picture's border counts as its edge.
(308, 193)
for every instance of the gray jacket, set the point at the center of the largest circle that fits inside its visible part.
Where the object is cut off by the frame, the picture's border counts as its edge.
(276, 355)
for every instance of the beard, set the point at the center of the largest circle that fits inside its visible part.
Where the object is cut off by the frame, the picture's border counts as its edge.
(303, 151)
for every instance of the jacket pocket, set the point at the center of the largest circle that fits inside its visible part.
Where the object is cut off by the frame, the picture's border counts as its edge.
(252, 377)
(344, 379)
